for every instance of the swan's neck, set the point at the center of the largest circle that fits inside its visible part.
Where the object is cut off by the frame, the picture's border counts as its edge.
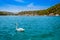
(16, 26)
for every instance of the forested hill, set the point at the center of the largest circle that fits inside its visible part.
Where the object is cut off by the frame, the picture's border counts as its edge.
(6, 13)
(54, 9)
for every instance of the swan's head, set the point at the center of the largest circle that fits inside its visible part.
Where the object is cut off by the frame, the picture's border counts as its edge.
(16, 24)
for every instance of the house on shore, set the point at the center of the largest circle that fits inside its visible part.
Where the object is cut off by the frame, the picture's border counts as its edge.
(51, 14)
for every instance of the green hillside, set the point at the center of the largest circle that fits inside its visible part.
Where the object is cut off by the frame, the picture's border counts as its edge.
(6, 13)
(54, 9)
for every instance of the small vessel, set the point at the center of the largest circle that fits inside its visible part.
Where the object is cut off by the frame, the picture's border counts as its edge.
(57, 15)
(19, 29)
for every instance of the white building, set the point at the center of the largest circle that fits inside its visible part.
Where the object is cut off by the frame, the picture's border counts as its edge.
(51, 14)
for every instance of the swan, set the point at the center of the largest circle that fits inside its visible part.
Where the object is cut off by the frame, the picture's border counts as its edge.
(19, 29)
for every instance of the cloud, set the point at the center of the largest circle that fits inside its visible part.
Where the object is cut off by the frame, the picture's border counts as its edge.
(19, 0)
(28, 7)
(31, 6)
(10, 8)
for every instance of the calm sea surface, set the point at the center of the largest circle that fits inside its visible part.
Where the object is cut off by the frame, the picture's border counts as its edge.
(36, 28)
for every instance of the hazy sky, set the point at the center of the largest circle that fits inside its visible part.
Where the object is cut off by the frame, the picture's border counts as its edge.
(23, 5)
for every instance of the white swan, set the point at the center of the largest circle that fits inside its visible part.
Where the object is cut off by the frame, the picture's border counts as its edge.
(19, 29)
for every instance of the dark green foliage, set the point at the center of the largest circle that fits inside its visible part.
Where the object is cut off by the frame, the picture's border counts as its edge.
(6, 13)
(54, 9)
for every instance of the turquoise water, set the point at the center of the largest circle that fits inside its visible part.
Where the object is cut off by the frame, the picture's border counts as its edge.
(36, 28)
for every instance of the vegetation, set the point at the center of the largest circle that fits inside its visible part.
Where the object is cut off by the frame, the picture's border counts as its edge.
(54, 9)
(50, 11)
(6, 13)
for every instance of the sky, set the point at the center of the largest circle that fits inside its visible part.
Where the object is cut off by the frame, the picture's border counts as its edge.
(26, 5)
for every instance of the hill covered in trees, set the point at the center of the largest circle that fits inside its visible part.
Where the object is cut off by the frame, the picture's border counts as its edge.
(54, 9)
(6, 13)
(50, 11)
